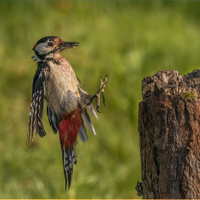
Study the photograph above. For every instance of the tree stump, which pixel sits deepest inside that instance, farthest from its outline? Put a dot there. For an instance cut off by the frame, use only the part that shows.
(169, 127)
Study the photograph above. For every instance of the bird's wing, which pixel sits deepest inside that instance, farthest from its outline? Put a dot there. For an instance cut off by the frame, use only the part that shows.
(53, 121)
(85, 99)
(36, 108)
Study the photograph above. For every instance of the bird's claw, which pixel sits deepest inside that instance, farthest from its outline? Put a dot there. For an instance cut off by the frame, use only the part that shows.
(100, 92)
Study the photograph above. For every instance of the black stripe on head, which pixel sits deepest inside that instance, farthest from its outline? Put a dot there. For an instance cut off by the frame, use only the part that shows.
(44, 39)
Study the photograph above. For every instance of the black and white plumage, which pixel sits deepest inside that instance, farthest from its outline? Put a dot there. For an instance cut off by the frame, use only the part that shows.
(36, 108)
(67, 103)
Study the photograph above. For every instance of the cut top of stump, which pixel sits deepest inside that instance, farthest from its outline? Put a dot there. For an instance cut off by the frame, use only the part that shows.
(172, 83)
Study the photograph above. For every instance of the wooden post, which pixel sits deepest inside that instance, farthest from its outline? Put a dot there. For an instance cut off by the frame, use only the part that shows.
(169, 127)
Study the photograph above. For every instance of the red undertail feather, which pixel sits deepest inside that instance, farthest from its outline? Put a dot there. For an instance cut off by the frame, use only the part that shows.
(68, 130)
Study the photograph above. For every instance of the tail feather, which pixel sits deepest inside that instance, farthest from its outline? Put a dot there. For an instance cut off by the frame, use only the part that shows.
(69, 158)
(69, 128)
(68, 131)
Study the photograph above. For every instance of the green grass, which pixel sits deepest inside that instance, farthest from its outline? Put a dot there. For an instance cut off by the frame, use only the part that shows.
(128, 41)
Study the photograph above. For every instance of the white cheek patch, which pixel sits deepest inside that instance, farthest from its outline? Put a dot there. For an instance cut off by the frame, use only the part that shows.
(42, 48)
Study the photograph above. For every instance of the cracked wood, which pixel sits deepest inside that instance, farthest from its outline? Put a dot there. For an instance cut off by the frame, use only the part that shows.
(169, 127)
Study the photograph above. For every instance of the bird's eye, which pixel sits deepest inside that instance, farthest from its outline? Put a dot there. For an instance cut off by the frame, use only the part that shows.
(50, 43)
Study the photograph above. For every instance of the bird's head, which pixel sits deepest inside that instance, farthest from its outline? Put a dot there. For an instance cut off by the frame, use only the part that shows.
(50, 45)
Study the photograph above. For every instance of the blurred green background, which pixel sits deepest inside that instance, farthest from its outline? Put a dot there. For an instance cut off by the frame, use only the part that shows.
(127, 40)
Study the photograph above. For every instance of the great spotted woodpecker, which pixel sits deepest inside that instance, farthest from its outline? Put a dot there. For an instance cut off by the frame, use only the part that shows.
(67, 103)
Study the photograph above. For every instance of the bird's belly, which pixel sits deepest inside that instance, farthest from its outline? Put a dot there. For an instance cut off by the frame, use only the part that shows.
(62, 90)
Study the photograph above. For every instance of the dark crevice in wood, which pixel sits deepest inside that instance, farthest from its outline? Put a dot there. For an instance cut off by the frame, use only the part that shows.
(169, 127)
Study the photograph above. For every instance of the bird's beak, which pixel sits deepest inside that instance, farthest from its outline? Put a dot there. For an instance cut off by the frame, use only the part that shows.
(66, 45)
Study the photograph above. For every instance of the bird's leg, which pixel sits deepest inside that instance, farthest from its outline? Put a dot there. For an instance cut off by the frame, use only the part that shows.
(97, 96)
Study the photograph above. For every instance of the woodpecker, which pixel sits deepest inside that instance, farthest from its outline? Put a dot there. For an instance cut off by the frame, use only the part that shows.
(67, 103)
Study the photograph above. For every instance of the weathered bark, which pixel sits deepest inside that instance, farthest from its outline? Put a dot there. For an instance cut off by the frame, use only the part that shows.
(169, 127)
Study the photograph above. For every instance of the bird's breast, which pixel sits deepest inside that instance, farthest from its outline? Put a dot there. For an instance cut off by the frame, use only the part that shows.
(62, 88)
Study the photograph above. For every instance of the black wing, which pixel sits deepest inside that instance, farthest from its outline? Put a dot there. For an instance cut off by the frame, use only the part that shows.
(53, 121)
(36, 108)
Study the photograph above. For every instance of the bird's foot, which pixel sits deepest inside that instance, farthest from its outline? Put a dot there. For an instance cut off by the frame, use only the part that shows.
(97, 95)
